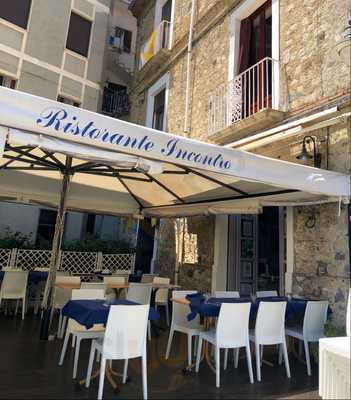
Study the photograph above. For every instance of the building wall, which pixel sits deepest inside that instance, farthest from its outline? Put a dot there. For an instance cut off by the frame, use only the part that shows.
(312, 75)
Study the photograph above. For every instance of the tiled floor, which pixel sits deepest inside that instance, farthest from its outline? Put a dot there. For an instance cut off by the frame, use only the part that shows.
(29, 369)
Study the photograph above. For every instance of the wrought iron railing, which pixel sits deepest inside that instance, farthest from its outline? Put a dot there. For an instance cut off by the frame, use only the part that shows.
(159, 39)
(77, 263)
(115, 103)
(248, 93)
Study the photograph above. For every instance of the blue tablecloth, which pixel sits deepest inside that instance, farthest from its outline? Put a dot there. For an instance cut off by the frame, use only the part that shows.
(295, 309)
(34, 277)
(90, 312)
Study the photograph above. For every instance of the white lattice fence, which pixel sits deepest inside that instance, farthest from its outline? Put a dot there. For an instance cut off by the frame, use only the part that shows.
(5, 257)
(79, 263)
(27, 260)
(118, 262)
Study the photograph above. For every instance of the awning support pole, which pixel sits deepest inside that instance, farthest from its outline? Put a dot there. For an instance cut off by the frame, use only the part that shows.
(56, 247)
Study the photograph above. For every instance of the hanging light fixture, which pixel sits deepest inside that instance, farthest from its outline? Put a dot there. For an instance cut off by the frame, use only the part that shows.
(305, 155)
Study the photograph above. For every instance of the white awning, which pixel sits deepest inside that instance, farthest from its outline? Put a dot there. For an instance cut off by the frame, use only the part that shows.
(123, 168)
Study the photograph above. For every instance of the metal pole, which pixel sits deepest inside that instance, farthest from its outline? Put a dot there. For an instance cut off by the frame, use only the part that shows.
(56, 246)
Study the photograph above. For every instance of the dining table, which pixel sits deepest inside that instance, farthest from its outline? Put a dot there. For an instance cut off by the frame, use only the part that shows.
(91, 312)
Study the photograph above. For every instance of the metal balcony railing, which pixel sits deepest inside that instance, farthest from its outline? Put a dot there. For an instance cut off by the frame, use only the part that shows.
(249, 92)
(115, 103)
(159, 39)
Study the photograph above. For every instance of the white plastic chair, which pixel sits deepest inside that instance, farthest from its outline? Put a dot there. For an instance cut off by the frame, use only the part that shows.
(269, 330)
(93, 285)
(61, 297)
(140, 293)
(180, 322)
(148, 278)
(232, 332)
(14, 287)
(161, 297)
(78, 331)
(122, 341)
(227, 294)
(266, 293)
(313, 327)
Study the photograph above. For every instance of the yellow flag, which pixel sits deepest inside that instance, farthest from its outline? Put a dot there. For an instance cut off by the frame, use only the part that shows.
(149, 48)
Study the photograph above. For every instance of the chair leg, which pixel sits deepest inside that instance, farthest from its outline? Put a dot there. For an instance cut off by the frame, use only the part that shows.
(102, 377)
(286, 358)
(307, 354)
(189, 349)
(51, 315)
(225, 359)
(98, 356)
(90, 364)
(236, 357)
(280, 357)
(23, 307)
(125, 370)
(217, 367)
(261, 353)
(149, 330)
(76, 356)
(249, 362)
(258, 362)
(63, 327)
(73, 341)
(59, 328)
(143, 367)
(198, 357)
(64, 347)
(17, 304)
(170, 338)
(167, 313)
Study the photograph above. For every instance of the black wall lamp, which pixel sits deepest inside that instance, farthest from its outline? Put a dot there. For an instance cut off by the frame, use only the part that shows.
(305, 154)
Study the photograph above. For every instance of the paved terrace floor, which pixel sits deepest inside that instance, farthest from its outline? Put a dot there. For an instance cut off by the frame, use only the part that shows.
(29, 370)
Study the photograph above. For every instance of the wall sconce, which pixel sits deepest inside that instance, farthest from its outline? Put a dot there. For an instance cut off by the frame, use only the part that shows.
(346, 39)
(305, 154)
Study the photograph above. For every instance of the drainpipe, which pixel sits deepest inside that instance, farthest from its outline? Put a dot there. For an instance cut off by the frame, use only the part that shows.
(188, 69)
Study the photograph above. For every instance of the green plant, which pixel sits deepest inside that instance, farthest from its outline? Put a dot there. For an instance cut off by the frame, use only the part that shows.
(330, 330)
(95, 244)
(11, 240)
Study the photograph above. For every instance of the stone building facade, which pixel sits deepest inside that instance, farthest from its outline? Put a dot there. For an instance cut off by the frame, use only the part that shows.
(308, 95)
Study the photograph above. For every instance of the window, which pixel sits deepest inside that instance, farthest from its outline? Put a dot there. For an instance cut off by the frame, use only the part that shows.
(16, 12)
(64, 100)
(122, 39)
(115, 100)
(46, 226)
(159, 110)
(78, 38)
(90, 227)
(7, 82)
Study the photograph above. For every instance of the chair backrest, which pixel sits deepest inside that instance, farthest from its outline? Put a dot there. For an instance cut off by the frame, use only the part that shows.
(233, 324)
(128, 339)
(125, 274)
(67, 279)
(62, 273)
(270, 322)
(88, 294)
(228, 294)
(266, 293)
(148, 278)
(315, 319)
(14, 284)
(118, 280)
(139, 292)
(348, 317)
(161, 294)
(93, 285)
(181, 311)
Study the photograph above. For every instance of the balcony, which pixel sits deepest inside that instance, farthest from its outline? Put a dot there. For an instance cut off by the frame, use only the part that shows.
(247, 103)
(115, 103)
(155, 50)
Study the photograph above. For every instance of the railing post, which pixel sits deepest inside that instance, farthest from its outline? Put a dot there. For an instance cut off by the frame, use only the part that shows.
(99, 260)
(13, 258)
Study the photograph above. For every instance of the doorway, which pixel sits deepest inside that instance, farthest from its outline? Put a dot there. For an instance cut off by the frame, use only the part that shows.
(255, 253)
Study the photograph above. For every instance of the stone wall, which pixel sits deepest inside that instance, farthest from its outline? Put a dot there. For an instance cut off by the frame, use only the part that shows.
(312, 74)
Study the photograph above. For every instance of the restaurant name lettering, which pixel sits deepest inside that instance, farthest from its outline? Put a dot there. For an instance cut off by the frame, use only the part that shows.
(59, 120)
